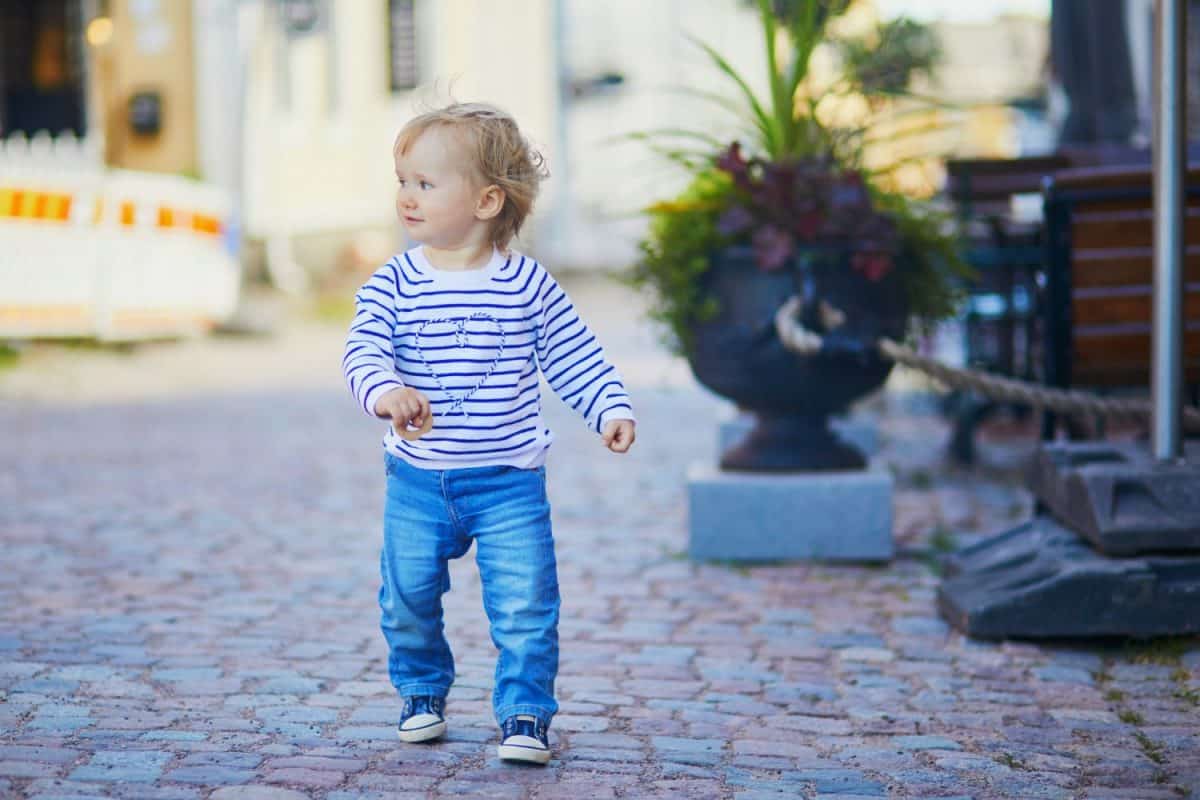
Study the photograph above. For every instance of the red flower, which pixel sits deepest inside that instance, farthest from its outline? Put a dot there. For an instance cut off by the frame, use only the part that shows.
(873, 265)
(772, 247)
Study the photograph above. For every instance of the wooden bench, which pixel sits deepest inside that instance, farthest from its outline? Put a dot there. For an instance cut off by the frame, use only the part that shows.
(981, 189)
(1098, 303)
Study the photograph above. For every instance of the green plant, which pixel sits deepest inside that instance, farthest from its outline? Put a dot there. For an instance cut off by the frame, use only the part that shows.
(1164, 650)
(1150, 748)
(798, 179)
(1130, 717)
(8, 356)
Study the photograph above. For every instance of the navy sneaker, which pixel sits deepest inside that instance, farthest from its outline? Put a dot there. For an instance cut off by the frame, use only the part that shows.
(525, 738)
(422, 718)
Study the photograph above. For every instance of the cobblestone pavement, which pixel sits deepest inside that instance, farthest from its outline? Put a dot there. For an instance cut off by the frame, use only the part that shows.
(187, 610)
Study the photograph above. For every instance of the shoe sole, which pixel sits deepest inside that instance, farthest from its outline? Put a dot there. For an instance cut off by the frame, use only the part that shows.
(533, 755)
(423, 734)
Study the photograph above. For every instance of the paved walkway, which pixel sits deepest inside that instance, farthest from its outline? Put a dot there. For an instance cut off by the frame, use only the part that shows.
(187, 610)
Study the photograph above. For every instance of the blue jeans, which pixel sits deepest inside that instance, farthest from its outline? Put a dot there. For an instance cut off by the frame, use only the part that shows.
(432, 516)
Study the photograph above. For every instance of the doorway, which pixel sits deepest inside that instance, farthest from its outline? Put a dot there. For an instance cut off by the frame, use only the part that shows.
(42, 76)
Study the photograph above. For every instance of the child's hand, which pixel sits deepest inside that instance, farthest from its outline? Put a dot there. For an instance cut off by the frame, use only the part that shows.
(619, 435)
(404, 406)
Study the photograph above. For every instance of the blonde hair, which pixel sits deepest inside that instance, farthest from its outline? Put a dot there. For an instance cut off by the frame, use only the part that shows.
(498, 155)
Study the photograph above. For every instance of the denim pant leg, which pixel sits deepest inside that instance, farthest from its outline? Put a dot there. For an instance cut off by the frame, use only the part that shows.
(508, 515)
(419, 537)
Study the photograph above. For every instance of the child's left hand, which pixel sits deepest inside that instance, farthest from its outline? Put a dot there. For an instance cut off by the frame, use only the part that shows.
(619, 435)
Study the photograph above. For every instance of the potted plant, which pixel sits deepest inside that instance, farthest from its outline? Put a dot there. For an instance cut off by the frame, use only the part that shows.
(794, 210)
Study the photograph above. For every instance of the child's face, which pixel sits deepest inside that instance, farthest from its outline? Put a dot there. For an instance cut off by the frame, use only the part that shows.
(436, 201)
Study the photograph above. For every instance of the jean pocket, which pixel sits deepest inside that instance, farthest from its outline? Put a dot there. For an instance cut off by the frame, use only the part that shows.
(392, 465)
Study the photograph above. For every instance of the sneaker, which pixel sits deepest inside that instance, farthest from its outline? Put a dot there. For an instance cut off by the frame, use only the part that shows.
(422, 718)
(525, 739)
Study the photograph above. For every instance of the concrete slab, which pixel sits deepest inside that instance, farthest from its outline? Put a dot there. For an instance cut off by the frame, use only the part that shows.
(1118, 498)
(822, 516)
(1040, 579)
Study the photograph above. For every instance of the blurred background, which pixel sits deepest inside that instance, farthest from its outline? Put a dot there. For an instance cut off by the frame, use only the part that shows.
(161, 159)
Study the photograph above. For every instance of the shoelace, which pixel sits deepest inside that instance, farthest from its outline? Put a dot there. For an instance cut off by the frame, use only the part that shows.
(534, 728)
(422, 704)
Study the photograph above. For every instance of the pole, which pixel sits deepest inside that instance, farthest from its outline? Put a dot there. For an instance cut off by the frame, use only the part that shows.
(560, 213)
(1170, 167)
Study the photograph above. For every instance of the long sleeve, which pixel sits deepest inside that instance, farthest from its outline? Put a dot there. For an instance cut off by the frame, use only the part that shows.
(369, 362)
(574, 362)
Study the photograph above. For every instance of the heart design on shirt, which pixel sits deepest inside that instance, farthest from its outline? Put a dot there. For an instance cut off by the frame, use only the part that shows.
(458, 326)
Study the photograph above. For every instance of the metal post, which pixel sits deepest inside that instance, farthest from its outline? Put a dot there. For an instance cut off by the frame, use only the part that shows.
(1170, 166)
(560, 212)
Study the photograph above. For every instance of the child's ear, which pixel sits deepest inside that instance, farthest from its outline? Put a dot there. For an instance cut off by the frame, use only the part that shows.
(491, 201)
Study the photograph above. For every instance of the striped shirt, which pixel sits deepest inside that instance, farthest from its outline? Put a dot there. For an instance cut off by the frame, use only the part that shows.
(472, 342)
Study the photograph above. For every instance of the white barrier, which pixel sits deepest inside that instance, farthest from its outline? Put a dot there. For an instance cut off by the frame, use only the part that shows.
(117, 255)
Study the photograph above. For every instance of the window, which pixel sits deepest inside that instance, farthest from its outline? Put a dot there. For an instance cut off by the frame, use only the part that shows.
(402, 45)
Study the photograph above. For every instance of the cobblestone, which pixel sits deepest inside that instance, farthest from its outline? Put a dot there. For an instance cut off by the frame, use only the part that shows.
(187, 609)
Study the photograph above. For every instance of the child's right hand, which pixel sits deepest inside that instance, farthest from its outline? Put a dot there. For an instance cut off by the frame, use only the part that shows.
(404, 406)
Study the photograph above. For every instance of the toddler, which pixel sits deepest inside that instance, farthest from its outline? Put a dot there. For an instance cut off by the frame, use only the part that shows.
(446, 342)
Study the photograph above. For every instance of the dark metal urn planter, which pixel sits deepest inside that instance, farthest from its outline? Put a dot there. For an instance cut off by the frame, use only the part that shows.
(738, 355)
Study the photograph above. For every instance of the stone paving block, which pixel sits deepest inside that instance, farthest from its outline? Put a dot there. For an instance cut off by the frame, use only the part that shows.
(799, 670)
(173, 736)
(143, 766)
(257, 793)
(363, 733)
(296, 776)
(1056, 674)
(837, 516)
(28, 769)
(490, 791)
(46, 754)
(576, 789)
(211, 775)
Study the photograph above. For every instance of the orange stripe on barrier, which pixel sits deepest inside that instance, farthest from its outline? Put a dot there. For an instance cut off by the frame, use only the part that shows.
(42, 313)
(204, 223)
(57, 206)
(25, 204)
(147, 318)
(60, 207)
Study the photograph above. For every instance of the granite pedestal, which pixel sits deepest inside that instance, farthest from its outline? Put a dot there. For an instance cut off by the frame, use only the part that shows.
(822, 516)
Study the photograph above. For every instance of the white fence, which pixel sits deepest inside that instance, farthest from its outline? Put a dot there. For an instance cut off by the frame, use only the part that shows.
(86, 251)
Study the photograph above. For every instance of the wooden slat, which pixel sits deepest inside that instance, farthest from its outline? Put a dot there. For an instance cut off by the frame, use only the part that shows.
(1123, 359)
(1112, 309)
(1123, 229)
(1124, 267)
(984, 186)
(1114, 177)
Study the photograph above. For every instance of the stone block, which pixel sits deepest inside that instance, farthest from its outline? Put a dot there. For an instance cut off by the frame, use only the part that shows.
(823, 516)
(1042, 580)
(1119, 498)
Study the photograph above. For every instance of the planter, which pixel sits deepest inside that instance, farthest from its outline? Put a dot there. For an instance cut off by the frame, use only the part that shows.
(738, 355)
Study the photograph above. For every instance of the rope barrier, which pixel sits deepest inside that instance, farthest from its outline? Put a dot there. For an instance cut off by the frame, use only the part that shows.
(802, 341)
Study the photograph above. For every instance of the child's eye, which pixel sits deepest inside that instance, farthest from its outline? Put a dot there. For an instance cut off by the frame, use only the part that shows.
(426, 185)
(400, 181)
